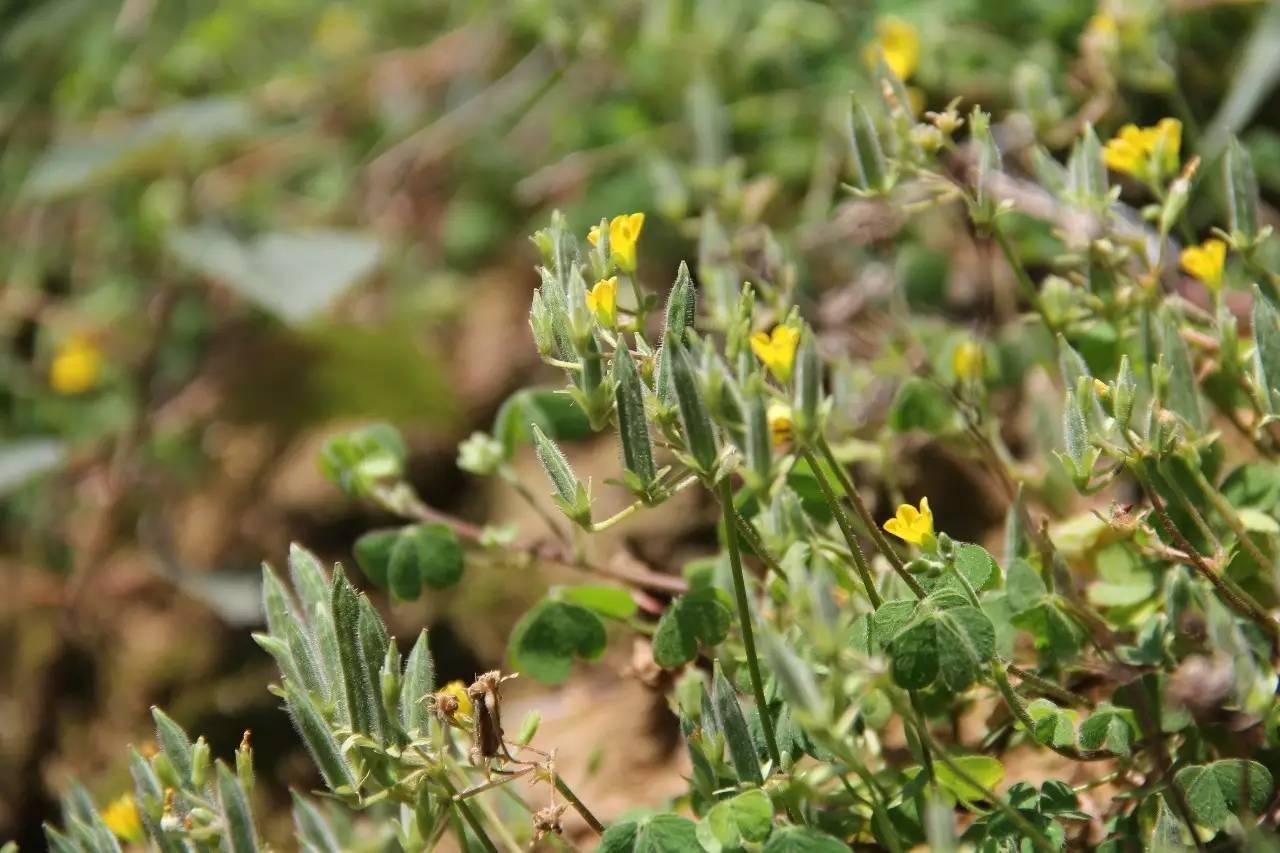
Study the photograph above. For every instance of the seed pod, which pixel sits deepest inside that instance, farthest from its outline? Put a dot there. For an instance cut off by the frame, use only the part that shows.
(680, 313)
(699, 433)
(555, 464)
(244, 763)
(200, 762)
(633, 428)
(1087, 174)
(1126, 389)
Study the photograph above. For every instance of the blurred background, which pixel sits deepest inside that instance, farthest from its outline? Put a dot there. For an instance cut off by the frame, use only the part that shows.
(229, 230)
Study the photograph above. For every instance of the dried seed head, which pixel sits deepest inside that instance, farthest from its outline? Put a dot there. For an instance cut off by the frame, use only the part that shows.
(547, 821)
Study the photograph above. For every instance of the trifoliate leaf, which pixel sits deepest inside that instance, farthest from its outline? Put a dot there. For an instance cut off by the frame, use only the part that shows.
(698, 619)
(1214, 792)
(660, 833)
(747, 817)
(549, 637)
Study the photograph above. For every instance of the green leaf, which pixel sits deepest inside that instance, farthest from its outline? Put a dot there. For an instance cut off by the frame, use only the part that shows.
(920, 404)
(1183, 397)
(357, 460)
(314, 833)
(1053, 725)
(983, 769)
(1108, 729)
(361, 699)
(1266, 351)
(914, 656)
(733, 724)
(1169, 834)
(419, 681)
(373, 555)
(310, 581)
(546, 640)
(747, 818)
(175, 744)
(698, 619)
(556, 414)
(633, 427)
(1214, 792)
(889, 620)
(608, 601)
(976, 564)
(802, 839)
(293, 275)
(403, 560)
(1242, 192)
(966, 642)
(864, 146)
(1123, 580)
(698, 431)
(660, 833)
(318, 737)
(1024, 586)
(240, 836)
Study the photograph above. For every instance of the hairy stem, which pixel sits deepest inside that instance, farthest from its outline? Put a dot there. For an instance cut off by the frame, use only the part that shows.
(725, 491)
(850, 538)
(579, 806)
(859, 506)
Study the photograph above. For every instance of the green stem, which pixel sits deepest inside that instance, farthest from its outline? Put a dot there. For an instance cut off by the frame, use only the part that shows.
(1034, 835)
(579, 806)
(1047, 687)
(1000, 673)
(1025, 284)
(464, 808)
(744, 619)
(1229, 515)
(850, 538)
(1234, 597)
(859, 506)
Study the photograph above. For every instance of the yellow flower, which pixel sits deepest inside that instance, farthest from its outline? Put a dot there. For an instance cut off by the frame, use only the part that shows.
(624, 233)
(967, 361)
(777, 352)
(779, 422)
(899, 43)
(603, 301)
(1206, 261)
(1147, 153)
(453, 701)
(911, 524)
(121, 817)
(1102, 24)
(76, 366)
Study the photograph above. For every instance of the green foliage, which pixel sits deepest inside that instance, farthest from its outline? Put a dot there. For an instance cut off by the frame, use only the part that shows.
(407, 559)
(547, 639)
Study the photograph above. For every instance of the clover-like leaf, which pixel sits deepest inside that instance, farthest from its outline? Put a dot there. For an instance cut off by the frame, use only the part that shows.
(747, 817)
(802, 839)
(405, 559)
(1054, 726)
(659, 833)
(976, 564)
(609, 601)
(944, 635)
(1216, 791)
(698, 619)
(546, 640)
(1108, 729)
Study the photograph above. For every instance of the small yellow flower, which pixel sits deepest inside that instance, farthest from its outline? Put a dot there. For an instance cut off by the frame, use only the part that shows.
(1147, 153)
(121, 817)
(1206, 261)
(899, 43)
(603, 301)
(624, 233)
(911, 524)
(1102, 24)
(777, 351)
(452, 700)
(779, 423)
(967, 361)
(76, 366)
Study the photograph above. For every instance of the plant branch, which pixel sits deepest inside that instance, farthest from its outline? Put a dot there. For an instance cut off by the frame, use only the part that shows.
(850, 538)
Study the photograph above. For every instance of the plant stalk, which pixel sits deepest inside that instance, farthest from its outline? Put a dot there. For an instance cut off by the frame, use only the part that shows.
(850, 538)
(744, 618)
